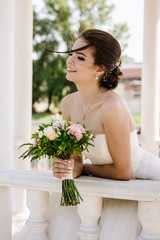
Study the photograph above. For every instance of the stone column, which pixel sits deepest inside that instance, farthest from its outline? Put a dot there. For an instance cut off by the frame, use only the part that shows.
(151, 76)
(6, 108)
(149, 217)
(89, 211)
(37, 203)
(22, 89)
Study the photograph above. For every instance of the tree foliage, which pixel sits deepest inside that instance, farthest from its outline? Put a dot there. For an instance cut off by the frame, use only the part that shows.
(58, 28)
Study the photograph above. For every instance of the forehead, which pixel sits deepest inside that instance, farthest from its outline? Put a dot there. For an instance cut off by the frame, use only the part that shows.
(79, 43)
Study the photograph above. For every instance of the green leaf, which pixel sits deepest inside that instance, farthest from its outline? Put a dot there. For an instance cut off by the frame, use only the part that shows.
(35, 135)
(25, 144)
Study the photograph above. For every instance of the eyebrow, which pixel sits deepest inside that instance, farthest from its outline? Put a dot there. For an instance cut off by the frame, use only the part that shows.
(78, 52)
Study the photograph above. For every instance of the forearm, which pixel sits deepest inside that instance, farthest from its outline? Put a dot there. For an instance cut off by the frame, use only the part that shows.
(78, 167)
(107, 171)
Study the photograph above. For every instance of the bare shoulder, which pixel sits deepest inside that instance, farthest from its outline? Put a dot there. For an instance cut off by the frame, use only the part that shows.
(67, 104)
(115, 113)
(114, 107)
(69, 98)
(113, 102)
(115, 116)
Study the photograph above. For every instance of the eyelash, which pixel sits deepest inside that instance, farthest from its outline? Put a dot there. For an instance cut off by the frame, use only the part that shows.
(80, 58)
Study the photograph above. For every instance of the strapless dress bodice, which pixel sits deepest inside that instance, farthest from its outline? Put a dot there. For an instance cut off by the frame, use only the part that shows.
(99, 154)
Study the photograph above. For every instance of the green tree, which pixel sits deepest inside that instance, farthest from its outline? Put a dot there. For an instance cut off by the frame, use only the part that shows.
(61, 23)
(48, 69)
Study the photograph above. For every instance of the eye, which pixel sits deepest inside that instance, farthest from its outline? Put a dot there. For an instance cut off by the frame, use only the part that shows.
(81, 58)
(70, 54)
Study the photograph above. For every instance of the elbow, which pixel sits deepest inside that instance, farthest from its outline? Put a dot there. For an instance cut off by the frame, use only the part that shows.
(125, 176)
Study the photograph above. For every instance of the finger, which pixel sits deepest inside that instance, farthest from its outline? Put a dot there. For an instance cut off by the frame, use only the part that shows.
(66, 162)
(60, 175)
(61, 161)
(71, 163)
(62, 170)
(58, 172)
(58, 165)
(61, 166)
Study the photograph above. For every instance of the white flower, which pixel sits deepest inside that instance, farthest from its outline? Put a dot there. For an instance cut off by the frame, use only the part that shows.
(56, 124)
(50, 133)
(40, 135)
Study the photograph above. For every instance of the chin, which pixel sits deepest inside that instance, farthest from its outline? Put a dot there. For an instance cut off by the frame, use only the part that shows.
(70, 78)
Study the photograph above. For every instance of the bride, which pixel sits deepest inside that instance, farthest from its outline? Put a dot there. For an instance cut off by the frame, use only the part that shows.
(94, 66)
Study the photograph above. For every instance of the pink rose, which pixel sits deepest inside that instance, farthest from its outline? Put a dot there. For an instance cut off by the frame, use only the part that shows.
(35, 141)
(75, 130)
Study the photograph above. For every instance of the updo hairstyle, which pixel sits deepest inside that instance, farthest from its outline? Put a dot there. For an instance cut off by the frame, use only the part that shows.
(107, 52)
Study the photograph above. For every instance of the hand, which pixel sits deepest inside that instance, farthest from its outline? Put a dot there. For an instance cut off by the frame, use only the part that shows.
(62, 168)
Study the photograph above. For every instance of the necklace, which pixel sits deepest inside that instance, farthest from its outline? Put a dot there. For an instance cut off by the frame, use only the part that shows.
(85, 114)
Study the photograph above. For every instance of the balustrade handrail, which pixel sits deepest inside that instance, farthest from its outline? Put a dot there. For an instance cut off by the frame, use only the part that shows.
(134, 189)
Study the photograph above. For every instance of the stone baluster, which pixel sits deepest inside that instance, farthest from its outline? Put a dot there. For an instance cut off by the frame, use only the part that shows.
(149, 217)
(89, 211)
(37, 201)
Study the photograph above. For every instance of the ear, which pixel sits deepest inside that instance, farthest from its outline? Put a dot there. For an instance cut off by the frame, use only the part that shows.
(101, 69)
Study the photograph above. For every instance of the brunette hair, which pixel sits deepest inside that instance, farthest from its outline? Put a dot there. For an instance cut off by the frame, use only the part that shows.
(107, 52)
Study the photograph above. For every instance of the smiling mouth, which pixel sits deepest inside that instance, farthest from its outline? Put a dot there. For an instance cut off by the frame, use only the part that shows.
(70, 70)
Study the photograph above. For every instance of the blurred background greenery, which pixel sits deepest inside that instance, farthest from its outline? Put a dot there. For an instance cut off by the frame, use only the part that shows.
(56, 26)
(47, 117)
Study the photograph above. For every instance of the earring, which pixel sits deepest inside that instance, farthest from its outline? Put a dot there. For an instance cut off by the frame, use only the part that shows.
(96, 77)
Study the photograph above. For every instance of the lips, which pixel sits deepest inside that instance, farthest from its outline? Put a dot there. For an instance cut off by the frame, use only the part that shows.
(70, 70)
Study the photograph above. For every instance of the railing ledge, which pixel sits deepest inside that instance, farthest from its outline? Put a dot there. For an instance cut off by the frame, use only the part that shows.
(38, 185)
(134, 189)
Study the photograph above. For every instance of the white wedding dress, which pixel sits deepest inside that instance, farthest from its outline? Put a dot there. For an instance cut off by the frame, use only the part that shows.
(119, 220)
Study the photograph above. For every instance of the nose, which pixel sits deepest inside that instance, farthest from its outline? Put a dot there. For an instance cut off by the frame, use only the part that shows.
(70, 59)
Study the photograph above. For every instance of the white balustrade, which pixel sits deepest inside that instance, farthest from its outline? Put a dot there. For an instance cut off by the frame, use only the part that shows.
(149, 217)
(93, 190)
(37, 202)
(89, 211)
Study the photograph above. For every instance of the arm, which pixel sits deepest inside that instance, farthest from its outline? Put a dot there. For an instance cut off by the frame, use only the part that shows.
(78, 165)
(61, 168)
(115, 120)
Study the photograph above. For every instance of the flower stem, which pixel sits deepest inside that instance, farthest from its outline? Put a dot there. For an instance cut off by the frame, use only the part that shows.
(70, 195)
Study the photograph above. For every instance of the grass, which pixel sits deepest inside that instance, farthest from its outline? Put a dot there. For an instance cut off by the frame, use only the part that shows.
(41, 117)
(137, 119)
(46, 117)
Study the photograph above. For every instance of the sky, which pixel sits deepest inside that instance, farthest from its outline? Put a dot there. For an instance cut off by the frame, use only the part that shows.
(130, 12)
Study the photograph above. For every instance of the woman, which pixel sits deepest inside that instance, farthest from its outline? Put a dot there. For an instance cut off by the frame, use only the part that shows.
(94, 66)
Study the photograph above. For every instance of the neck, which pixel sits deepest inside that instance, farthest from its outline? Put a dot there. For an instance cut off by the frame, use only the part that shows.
(88, 94)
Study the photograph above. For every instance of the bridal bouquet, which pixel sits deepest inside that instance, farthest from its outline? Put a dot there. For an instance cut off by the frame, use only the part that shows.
(60, 139)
